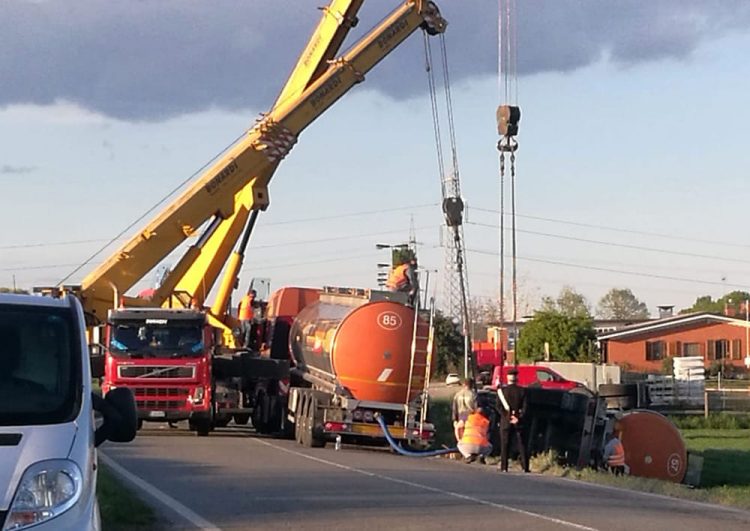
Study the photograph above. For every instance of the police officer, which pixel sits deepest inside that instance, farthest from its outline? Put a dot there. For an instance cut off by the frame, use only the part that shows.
(513, 407)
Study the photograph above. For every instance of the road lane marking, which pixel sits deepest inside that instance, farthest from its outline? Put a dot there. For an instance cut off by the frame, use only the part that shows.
(164, 498)
(428, 488)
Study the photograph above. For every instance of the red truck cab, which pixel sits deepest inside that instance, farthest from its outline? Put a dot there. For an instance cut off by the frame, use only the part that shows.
(532, 375)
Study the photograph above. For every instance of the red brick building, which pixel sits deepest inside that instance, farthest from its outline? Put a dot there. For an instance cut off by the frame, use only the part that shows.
(644, 346)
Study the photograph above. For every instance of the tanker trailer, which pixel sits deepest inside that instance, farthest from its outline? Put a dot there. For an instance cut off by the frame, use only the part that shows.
(358, 354)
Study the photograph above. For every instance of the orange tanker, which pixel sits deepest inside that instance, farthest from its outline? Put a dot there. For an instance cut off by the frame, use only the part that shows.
(354, 356)
(364, 345)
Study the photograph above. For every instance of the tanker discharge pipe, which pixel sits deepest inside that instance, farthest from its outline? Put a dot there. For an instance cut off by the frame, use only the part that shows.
(409, 453)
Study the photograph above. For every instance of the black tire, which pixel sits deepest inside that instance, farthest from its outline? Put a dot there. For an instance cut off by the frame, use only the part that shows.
(619, 396)
(260, 415)
(201, 424)
(240, 419)
(306, 428)
(314, 431)
(222, 421)
(139, 425)
(299, 418)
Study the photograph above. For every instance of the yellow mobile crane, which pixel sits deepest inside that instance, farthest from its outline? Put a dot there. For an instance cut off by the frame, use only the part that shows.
(166, 348)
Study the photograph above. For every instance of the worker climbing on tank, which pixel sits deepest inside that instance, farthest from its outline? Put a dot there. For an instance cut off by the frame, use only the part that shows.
(475, 438)
(250, 316)
(403, 278)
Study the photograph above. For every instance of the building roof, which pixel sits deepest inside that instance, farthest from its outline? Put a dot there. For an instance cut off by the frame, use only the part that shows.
(688, 320)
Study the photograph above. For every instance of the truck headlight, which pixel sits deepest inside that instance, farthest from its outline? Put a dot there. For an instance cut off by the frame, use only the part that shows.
(198, 394)
(47, 489)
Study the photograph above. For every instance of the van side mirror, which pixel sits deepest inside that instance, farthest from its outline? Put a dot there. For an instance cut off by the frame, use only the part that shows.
(97, 366)
(120, 418)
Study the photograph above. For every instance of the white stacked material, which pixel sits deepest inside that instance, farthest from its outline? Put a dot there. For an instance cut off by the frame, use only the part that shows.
(690, 379)
(661, 389)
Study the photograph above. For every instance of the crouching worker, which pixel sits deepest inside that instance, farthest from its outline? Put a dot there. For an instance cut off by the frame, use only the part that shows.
(614, 455)
(474, 441)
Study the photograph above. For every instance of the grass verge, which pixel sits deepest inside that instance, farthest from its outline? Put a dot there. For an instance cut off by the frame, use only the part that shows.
(726, 453)
(121, 509)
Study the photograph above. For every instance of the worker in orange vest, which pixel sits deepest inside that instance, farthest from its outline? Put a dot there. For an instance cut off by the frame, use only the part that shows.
(403, 278)
(249, 314)
(475, 441)
(614, 454)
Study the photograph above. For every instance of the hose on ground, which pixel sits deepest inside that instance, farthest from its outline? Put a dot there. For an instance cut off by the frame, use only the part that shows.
(409, 453)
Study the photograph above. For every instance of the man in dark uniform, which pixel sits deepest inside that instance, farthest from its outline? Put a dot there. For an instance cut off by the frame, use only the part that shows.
(512, 402)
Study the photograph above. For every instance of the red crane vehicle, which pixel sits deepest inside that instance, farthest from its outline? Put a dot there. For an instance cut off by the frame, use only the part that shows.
(175, 352)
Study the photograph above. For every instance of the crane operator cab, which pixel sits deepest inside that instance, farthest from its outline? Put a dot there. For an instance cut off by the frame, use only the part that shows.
(48, 431)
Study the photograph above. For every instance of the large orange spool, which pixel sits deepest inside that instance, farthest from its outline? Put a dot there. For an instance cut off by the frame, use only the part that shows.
(653, 446)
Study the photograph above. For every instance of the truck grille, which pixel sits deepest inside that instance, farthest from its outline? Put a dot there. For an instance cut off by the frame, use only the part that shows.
(155, 371)
(160, 392)
(160, 405)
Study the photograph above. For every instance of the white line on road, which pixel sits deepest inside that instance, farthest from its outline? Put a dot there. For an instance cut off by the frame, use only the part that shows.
(428, 488)
(164, 498)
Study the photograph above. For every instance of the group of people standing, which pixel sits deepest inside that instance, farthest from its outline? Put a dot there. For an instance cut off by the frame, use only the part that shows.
(473, 425)
(472, 422)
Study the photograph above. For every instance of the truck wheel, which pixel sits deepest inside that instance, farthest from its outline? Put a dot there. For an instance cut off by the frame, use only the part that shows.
(201, 424)
(313, 436)
(240, 419)
(619, 396)
(222, 421)
(299, 418)
(260, 416)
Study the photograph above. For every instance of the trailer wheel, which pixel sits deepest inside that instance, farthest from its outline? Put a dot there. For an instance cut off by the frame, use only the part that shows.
(260, 416)
(241, 418)
(312, 436)
(619, 396)
(222, 421)
(299, 418)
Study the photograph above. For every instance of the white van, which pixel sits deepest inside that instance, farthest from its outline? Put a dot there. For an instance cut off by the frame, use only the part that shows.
(47, 429)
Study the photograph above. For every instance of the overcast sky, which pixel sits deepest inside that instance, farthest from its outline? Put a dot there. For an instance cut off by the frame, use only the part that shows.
(634, 119)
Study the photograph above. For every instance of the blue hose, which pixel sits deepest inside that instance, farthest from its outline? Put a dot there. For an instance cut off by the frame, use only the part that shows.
(409, 453)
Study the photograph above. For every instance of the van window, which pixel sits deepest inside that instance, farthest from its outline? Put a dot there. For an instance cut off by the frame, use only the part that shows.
(40, 380)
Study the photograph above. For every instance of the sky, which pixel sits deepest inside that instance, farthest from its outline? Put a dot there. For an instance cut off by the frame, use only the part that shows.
(631, 170)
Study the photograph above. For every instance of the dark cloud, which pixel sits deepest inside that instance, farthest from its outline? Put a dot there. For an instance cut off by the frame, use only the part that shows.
(16, 170)
(142, 60)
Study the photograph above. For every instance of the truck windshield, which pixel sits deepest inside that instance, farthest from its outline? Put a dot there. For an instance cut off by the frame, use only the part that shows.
(40, 365)
(171, 339)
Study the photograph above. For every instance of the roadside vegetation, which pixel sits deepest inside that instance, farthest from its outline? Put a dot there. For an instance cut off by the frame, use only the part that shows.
(721, 440)
(121, 509)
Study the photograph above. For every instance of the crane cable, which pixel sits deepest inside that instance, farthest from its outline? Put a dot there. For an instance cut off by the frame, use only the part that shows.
(508, 117)
(450, 186)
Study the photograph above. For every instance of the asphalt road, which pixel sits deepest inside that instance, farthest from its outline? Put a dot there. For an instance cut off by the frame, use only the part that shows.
(236, 480)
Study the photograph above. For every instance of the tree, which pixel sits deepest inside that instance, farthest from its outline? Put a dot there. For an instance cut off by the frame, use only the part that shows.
(569, 338)
(13, 290)
(621, 304)
(732, 304)
(569, 303)
(449, 345)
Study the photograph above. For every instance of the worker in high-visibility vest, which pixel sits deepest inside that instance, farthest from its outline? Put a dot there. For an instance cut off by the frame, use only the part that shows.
(403, 278)
(249, 314)
(614, 454)
(474, 440)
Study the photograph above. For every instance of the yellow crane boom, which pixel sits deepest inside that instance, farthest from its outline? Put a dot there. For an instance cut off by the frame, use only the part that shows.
(241, 176)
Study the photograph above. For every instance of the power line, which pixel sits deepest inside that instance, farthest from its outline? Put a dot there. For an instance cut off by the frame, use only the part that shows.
(285, 222)
(352, 214)
(619, 271)
(621, 245)
(617, 229)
